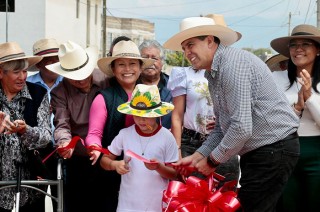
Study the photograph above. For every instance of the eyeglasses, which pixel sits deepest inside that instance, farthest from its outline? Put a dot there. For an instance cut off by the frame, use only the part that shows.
(304, 45)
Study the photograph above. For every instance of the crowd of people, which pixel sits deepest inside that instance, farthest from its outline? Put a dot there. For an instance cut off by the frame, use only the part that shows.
(230, 112)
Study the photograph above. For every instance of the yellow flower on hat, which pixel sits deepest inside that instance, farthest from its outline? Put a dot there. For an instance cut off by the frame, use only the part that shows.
(123, 107)
(142, 101)
(138, 112)
(163, 110)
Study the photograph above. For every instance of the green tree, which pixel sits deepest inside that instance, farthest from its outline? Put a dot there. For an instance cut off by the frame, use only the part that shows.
(261, 52)
(177, 59)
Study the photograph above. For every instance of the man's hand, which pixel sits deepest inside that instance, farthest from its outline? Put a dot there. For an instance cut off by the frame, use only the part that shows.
(204, 168)
(184, 165)
(65, 153)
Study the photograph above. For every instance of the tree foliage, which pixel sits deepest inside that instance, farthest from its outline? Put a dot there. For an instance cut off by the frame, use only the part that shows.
(177, 59)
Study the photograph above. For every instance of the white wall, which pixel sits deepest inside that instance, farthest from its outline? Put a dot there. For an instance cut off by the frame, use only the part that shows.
(36, 19)
(25, 25)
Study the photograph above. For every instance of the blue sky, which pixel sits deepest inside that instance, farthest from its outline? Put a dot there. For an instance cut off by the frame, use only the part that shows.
(259, 21)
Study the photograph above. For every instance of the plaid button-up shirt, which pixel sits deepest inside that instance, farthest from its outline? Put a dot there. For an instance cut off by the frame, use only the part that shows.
(250, 111)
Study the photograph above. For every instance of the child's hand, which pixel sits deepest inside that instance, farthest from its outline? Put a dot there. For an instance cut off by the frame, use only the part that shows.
(153, 166)
(94, 155)
(121, 166)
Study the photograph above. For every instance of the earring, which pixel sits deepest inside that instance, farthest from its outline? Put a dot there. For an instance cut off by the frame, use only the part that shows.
(318, 54)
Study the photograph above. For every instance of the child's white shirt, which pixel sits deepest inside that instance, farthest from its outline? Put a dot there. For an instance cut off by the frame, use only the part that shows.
(141, 189)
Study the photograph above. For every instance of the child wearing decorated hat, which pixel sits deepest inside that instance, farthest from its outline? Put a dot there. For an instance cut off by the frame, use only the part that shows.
(142, 183)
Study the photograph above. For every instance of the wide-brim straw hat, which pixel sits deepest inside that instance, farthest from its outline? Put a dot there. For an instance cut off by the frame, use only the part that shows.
(200, 26)
(123, 49)
(75, 62)
(274, 62)
(146, 102)
(303, 31)
(11, 51)
(46, 47)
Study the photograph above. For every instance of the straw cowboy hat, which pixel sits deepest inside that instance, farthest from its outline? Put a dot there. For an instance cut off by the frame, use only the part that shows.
(123, 49)
(199, 26)
(146, 102)
(75, 62)
(303, 31)
(219, 20)
(274, 62)
(47, 47)
(11, 51)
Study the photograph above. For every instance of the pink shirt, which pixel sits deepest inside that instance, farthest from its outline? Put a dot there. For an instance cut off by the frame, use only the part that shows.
(97, 119)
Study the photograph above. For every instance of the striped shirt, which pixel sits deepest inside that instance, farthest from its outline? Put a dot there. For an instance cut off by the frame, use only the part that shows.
(250, 111)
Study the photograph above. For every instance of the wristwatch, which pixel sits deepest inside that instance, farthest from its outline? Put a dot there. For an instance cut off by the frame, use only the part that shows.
(212, 163)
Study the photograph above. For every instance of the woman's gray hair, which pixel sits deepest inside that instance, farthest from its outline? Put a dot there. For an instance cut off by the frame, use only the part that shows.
(155, 44)
(14, 65)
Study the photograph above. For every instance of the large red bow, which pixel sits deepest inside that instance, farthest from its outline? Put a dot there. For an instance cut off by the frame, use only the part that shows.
(196, 195)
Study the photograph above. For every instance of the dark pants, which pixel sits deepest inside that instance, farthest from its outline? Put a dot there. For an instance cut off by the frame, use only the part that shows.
(265, 172)
(302, 190)
(230, 169)
(89, 188)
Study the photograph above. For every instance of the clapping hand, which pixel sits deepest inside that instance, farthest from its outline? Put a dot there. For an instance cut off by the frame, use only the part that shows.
(8, 127)
(306, 84)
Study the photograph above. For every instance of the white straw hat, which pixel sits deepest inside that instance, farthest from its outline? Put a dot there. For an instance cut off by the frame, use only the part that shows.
(199, 26)
(47, 47)
(75, 62)
(123, 49)
(11, 51)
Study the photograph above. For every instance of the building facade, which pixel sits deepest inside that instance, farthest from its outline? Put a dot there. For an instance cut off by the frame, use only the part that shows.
(136, 29)
(76, 20)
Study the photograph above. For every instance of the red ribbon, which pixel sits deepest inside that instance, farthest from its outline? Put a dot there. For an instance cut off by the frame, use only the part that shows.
(72, 145)
(195, 196)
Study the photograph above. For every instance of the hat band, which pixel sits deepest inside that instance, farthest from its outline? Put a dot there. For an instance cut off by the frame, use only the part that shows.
(76, 68)
(146, 108)
(47, 51)
(12, 56)
(302, 33)
(127, 55)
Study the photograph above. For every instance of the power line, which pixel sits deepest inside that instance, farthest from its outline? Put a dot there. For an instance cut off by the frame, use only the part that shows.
(164, 5)
(307, 12)
(255, 14)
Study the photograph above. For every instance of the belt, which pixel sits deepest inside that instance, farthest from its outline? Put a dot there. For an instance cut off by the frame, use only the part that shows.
(291, 136)
(194, 134)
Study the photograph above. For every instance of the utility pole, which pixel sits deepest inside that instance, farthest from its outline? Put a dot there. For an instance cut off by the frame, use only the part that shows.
(318, 14)
(104, 28)
(289, 23)
(7, 20)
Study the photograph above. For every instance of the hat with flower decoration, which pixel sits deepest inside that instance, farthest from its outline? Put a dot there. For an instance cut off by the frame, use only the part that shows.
(146, 102)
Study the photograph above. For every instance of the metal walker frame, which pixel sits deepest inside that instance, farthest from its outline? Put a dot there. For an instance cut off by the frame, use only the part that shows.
(29, 183)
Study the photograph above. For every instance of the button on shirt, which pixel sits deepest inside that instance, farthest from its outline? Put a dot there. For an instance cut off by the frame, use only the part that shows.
(250, 111)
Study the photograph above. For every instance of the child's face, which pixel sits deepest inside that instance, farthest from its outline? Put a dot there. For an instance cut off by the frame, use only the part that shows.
(146, 125)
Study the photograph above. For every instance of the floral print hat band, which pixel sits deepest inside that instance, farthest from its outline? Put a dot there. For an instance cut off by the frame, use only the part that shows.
(146, 102)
